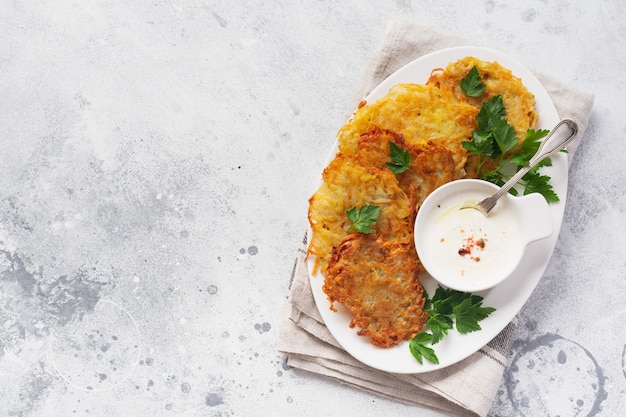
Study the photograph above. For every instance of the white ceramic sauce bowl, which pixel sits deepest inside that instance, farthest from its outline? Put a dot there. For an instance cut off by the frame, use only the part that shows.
(463, 249)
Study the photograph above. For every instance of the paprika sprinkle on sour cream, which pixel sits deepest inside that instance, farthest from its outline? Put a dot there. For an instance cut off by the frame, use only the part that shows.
(471, 245)
(465, 243)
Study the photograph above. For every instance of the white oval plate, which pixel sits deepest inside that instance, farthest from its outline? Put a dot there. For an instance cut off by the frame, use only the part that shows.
(508, 297)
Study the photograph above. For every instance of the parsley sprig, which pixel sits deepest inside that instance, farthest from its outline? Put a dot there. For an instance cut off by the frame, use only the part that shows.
(363, 218)
(472, 84)
(446, 310)
(400, 159)
(495, 140)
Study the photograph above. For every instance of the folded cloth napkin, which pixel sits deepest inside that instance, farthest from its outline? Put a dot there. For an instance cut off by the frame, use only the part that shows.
(465, 388)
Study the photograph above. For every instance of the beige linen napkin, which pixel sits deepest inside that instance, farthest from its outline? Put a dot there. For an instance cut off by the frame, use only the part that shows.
(466, 388)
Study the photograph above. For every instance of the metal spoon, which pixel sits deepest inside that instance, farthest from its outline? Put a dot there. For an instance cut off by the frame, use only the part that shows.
(548, 147)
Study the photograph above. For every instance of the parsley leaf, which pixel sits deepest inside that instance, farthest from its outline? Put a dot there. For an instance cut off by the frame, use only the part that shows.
(420, 350)
(400, 159)
(504, 135)
(472, 84)
(537, 183)
(481, 144)
(495, 139)
(529, 147)
(533, 140)
(469, 313)
(447, 309)
(364, 218)
(439, 325)
(490, 112)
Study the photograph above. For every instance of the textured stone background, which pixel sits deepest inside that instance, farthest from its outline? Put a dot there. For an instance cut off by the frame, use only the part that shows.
(156, 162)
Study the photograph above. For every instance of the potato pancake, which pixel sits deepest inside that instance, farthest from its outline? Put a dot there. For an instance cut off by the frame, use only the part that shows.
(348, 184)
(424, 115)
(378, 282)
(518, 101)
(430, 167)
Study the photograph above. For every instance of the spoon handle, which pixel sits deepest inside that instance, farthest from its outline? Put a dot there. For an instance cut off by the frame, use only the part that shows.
(548, 147)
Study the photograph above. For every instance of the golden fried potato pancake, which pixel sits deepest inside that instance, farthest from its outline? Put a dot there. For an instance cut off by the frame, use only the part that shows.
(378, 282)
(347, 184)
(430, 168)
(431, 165)
(518, 101)
(373, 147)
(424, 115)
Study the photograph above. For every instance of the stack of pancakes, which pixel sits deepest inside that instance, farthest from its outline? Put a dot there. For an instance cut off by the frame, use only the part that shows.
(376, 276)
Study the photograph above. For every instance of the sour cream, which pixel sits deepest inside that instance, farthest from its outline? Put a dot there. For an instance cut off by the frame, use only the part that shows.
(467, 251)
